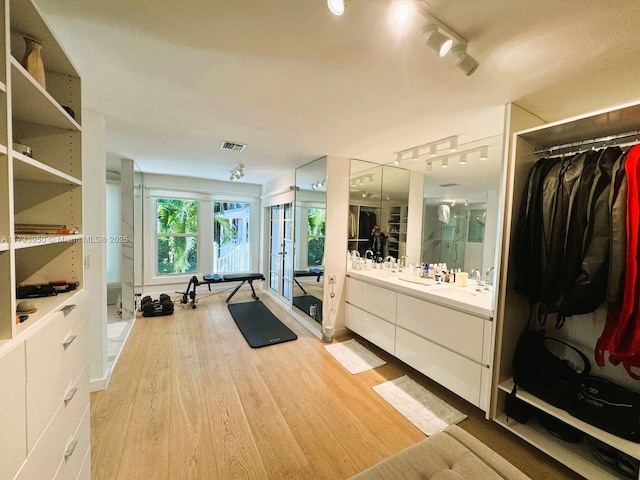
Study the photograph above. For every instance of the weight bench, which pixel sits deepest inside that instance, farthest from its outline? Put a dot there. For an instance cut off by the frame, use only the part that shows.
(312, 272)
(189, 295)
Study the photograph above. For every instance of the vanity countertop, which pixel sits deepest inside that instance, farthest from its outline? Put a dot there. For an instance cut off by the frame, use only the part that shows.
(465, 299)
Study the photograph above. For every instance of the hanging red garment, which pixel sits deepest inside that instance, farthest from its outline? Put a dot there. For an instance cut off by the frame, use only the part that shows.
(621, 335)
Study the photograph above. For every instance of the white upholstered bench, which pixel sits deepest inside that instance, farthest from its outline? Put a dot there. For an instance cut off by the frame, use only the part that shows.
(452, 454)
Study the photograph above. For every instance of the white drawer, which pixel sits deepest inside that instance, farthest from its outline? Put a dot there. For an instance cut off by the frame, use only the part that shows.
(76, 354)
(458, 331)
(45, 382)
(76, 451)
(458, 374)
(48, 454)
(376, 330)
(77, 310)
(371, 298)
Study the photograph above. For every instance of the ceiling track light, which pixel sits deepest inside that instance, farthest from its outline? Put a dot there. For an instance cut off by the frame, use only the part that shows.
(429, 167)
(463, 159)
(484, 153)
(436, 41)
(465, 62)
(445, 162)
(415, 156)
(453, 144)
(402, 12)
(337, 7)
(237, 173)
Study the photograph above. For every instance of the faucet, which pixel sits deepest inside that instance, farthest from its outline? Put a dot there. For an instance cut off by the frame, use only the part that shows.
(404, 261)
(367, 252)
(475, 273)
(487, 279)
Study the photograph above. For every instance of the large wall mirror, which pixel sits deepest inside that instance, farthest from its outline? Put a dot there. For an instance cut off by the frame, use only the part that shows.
(378, 207)
(310, 223)
(460, 211)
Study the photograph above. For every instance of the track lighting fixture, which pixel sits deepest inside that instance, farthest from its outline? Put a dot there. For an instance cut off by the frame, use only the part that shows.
(445, 162)
(484, 153)
(463, 159)
(465, 62)
(237, 173)
(318, 184)
(414, 155)
(337, 7)
(433, 150)
(429, 166)
(436, 41)
(402, 12)
(453, 144)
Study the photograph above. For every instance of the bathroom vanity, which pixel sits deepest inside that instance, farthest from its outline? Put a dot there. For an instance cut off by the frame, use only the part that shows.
(442, 330)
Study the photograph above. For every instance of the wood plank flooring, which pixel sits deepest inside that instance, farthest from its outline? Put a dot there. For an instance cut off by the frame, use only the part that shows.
(189, 399)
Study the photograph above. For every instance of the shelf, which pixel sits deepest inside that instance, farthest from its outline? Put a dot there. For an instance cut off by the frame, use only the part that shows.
(3, 150)
(625, 446)
(30, 241)
(574, 455)
(26, 168)
(4, 247)
(623, 119)
(26, 20)
(33, 104)
(3, 87)
(45, 306)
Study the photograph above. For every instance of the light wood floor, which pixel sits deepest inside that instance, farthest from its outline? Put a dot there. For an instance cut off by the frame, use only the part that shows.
(189, 399)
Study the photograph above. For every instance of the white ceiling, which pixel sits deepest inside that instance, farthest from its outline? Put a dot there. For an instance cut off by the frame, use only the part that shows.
(175, 79)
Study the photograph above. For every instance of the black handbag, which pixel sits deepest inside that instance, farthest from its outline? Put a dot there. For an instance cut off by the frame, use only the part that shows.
(608, 406)
(537, 370)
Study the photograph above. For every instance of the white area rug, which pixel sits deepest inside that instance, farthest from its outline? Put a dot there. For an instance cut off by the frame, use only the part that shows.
(421, 407)
(354, 357)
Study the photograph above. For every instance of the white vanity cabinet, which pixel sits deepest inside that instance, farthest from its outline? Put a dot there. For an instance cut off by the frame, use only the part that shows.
(371, 313)
(449, 344)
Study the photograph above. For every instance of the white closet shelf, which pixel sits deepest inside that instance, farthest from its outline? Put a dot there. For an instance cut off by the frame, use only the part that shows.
(46, 306)
(33, 241)
(4, 247)
(575, 455)
(33, 104)
(625, 446)
(3, 149)
(26, 168)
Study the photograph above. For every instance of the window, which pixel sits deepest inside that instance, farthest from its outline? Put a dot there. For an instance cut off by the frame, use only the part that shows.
(317, 220)
(231, 237)
(177, 236)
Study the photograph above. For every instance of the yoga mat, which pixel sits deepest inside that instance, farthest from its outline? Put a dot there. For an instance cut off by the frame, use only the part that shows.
(304, 302)
(259, 326)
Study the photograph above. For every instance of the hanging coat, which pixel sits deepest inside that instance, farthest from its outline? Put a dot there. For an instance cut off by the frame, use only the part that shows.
(621, 335)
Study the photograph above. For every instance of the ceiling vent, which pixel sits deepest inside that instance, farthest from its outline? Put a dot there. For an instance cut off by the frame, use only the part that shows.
(444, 185)
(232, 146)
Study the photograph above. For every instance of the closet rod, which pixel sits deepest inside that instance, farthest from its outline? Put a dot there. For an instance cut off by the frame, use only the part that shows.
(621, 139)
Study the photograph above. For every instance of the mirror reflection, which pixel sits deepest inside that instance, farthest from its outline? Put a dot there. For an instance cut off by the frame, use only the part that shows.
(378, 206)
(310, 222)
(460, 211)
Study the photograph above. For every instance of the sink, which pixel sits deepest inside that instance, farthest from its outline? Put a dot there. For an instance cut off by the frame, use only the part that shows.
(418, 280)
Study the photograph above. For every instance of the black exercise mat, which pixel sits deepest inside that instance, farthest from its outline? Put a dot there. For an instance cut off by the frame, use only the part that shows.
(304, 302)
(259, 326)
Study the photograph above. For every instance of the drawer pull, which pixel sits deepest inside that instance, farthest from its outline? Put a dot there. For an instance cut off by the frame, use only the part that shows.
(70, 449)
(68, 341)
(67, 309)
(70, 394)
